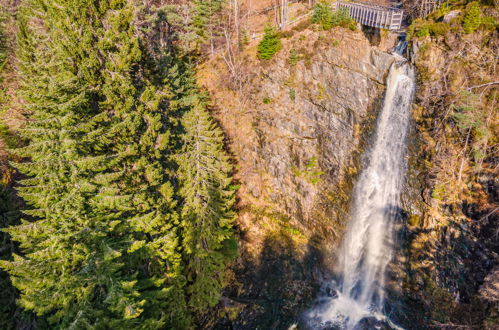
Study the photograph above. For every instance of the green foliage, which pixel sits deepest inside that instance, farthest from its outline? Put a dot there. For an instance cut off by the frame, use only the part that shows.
(441, 11)
(292, 94)
(245, 39)
(205, 22)
(438, 29)
(270, 44)
(105, 243)
(11, 315)
(207, 198)
(412, 29)
(471, 20)
(323, 15)
(266, 100)
(9, 215)
(489, 23)
(472, 119)
(421, 28)
(294, 57)
(423, 31)
(100, 201)
(341, 17)
(466, 113)
(438, 192)
(311, 172)
(472, 17)
(327, 18)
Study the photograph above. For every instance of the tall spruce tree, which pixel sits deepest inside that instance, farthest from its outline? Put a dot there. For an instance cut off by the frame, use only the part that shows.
(207, 200)
(100, 244)
(204, 20)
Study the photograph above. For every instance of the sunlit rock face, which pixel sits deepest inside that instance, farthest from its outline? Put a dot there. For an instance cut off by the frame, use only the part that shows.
(298, 131)
(307, 121)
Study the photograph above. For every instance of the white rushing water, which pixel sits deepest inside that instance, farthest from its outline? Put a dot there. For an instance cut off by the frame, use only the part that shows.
(367, 246)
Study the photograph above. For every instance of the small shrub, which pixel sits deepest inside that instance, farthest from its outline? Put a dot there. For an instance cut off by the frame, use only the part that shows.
(326, 18)
(311, 173)
(306, 57)
(341, 17)
(472, 18)
(270, 44)
(438, 29)
(440, 12)
(423, 31)
(335, 42)
(438, 192)
(245, 39)
(266, 100)
(321, 92)
(418, 28)
(294, 57)
(489, 23)
(323, 15)
(292, 94)
(352, 25)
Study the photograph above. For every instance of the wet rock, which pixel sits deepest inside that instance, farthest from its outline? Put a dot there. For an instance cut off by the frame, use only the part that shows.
(369, 323)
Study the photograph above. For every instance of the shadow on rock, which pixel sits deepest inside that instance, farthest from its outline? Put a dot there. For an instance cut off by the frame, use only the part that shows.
(271, 292)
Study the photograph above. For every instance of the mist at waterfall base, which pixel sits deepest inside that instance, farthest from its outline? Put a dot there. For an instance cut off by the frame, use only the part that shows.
(367, 246)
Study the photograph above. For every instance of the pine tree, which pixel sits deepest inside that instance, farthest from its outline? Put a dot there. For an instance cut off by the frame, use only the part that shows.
(472, 18)
(270, 44)
(204, 19)
(100, 244)
(207, 200)
(323, 15)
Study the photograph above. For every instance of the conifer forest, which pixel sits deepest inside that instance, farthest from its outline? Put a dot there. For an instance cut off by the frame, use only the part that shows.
(249, 164)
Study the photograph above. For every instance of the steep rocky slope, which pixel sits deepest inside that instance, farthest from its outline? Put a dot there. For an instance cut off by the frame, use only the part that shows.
(452, 242)
(297, 127)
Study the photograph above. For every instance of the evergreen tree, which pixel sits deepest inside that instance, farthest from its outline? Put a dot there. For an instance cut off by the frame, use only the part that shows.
(100, 244)
(270, 44)
(323, 15)
(9, 215)
(9, 204)
(204, 19)
(472, 18)
(207, 199)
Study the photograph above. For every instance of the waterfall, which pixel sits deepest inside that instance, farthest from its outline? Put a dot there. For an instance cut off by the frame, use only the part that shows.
(368, 242)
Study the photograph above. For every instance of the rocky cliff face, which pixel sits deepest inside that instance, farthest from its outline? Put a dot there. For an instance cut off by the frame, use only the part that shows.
(296, 128)
(452, 242)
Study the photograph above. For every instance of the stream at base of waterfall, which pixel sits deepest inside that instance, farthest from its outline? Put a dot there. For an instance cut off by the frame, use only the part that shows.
(367, 247)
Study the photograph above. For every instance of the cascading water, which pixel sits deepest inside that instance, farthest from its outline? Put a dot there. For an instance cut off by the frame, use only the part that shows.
(367, 246)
